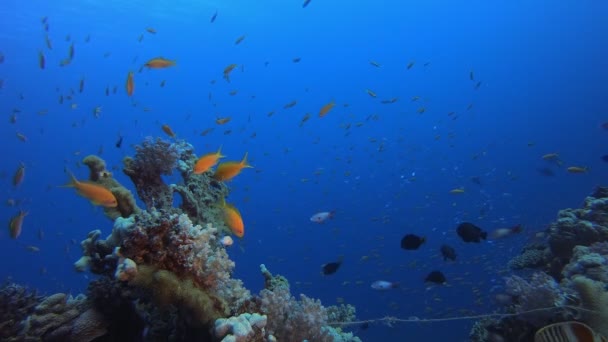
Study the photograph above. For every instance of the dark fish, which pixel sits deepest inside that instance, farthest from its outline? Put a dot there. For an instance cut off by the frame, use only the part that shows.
(306, 2)
(476, 180)
(546, 172)
(331, 268)
(213, 17)
(605, 158)
(119, 142)
(1, 58)
(435, 277)
(297, 59)
(411, 242)
(469, 232)
(364, 326)
(448, 253)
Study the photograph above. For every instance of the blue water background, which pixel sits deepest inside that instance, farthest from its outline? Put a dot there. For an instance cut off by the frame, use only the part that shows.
(543, 90)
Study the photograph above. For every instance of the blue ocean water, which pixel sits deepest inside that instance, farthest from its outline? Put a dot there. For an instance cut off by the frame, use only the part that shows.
(385, 168)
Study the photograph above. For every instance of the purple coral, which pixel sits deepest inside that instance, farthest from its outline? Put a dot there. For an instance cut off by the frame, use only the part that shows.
(153, 158)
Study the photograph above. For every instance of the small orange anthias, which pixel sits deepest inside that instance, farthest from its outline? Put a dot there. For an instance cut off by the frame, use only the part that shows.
(228, 170)
(95, 193)
(207, 161)
(159, 63)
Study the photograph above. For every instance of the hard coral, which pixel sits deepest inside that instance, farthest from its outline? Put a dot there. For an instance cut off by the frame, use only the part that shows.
(16, 303)
(532, 256)
(62, 318)
(582, 226)
(541, 291)
(243, 328)
(592, 262)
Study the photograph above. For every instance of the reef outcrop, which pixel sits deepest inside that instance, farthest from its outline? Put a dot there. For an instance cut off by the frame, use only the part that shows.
(164, 273)
(570, 283)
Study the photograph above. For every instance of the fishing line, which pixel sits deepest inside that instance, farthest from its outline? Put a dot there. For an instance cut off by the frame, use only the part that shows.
(390, 320)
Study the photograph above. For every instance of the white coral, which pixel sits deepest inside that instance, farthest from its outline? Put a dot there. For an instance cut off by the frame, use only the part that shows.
(240, 328)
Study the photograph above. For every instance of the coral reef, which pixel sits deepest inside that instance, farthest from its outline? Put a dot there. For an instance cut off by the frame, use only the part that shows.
(16, 303)
(534, 255)
(580, 227)
(164, 274)
(592, 262)
(541, 291)
(577, 257)
(63, 318)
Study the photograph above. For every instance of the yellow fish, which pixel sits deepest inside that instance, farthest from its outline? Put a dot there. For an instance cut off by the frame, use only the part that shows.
(457, 191)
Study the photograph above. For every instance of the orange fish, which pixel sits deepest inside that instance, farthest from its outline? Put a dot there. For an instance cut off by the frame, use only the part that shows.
(19, 175)
(97, 194)
(16, 224)
(168, 131)
(207, 161)
(130, 84)
(228, 170)
(325, 109)
(233, 219)
(228, 70)
(221, 121)
(159, 63)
